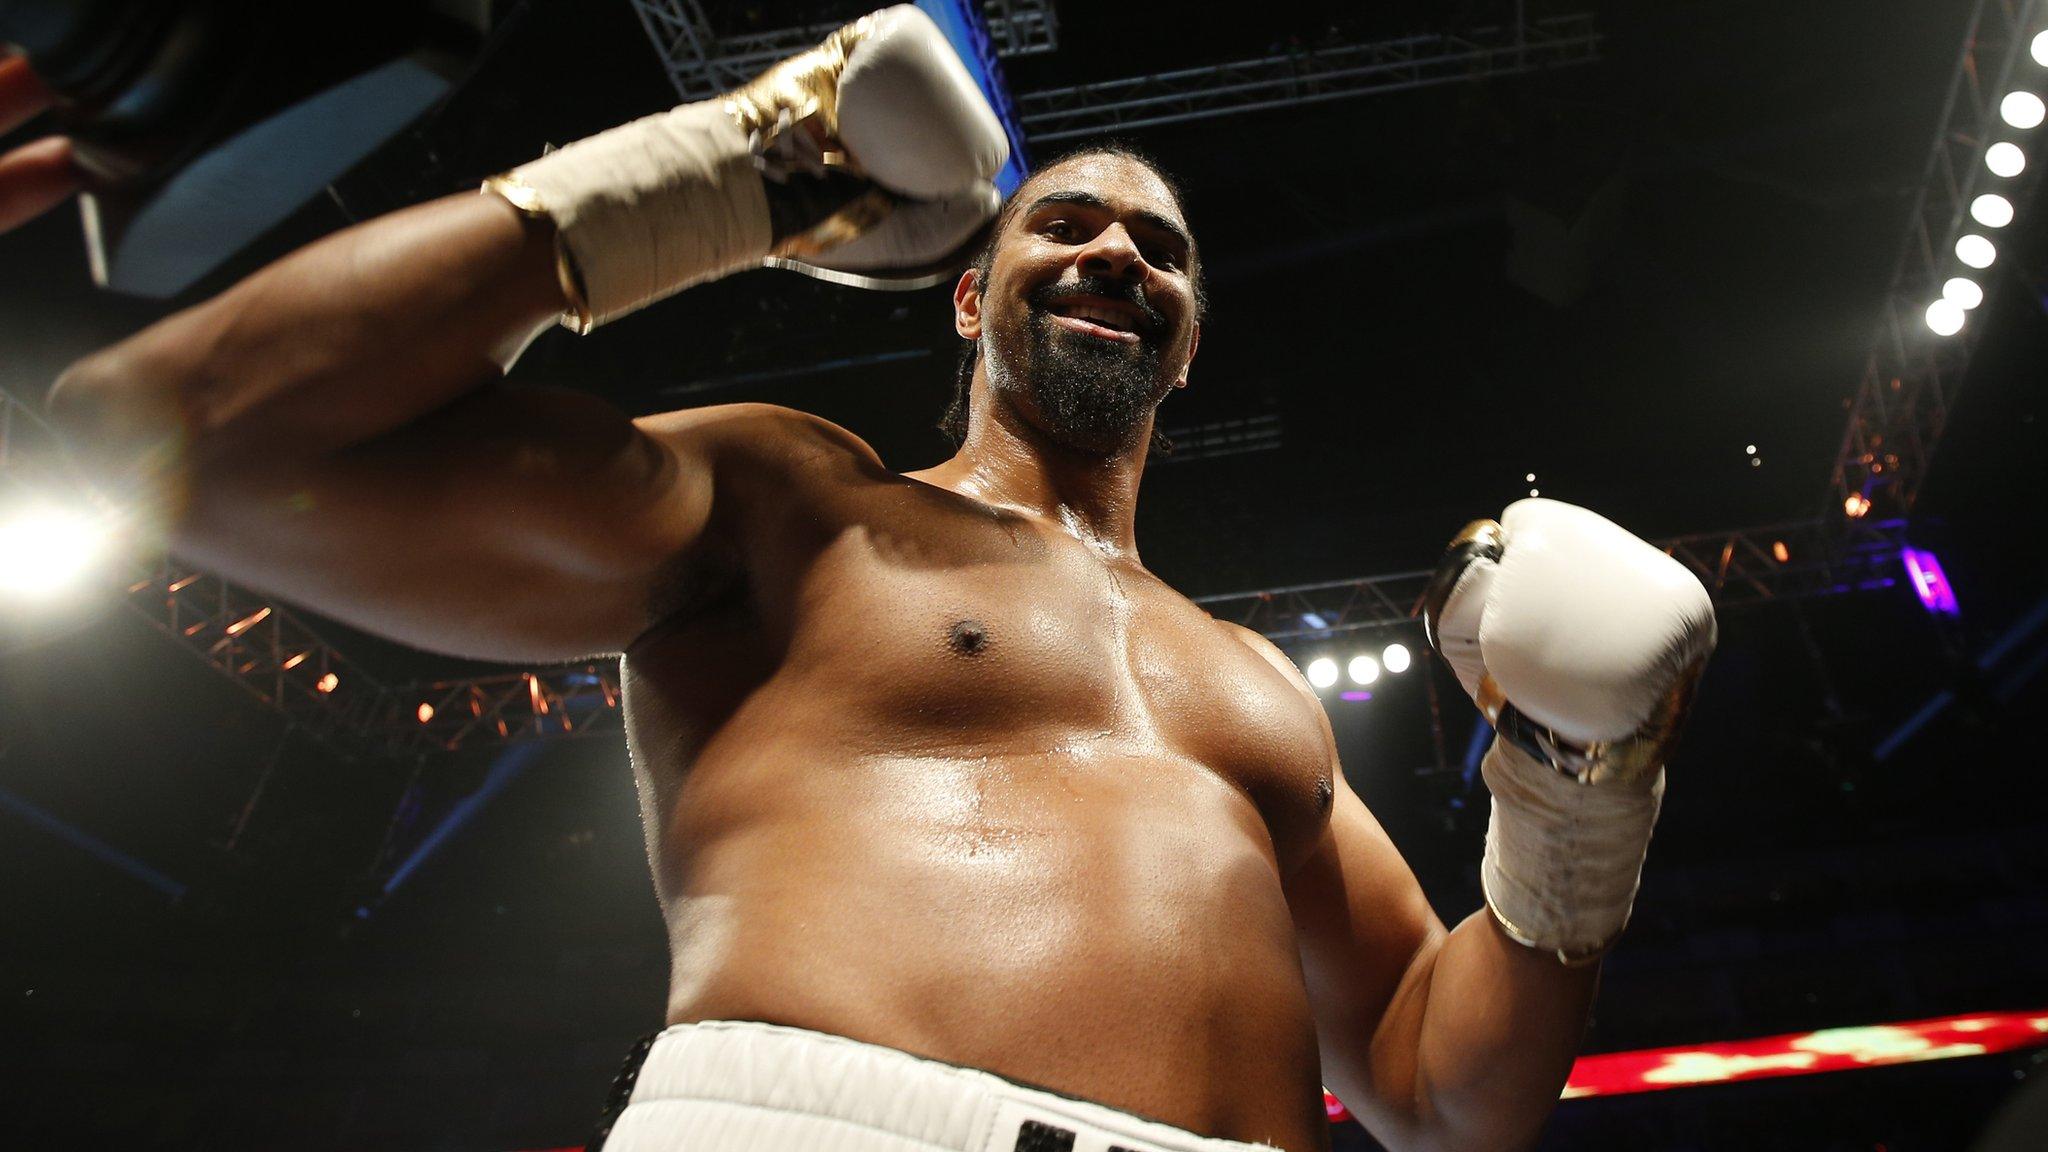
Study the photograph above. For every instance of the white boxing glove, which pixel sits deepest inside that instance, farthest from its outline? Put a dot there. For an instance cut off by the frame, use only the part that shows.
(1582, 645)
(867, 160)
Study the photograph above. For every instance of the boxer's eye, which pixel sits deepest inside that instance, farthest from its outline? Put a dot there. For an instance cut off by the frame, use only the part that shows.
(1058, 230)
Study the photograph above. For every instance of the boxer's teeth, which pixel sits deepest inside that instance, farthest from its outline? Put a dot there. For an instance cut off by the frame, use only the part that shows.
(1102, 316)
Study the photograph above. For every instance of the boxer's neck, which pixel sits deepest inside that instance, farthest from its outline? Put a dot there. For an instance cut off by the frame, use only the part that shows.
(1007, 462)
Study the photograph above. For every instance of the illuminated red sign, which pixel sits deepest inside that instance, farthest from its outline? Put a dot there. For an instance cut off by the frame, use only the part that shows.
(1797, 1054)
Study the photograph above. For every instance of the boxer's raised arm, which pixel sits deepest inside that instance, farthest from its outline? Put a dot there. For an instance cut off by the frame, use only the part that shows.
(1438, 1042)
(333, 431)
(350, 337)
(518, 523)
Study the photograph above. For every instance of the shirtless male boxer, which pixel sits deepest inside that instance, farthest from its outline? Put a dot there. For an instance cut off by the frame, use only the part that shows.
(969, 832)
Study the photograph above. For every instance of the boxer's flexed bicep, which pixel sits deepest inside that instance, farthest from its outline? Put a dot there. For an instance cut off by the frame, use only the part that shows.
(518, 523)
(1362, 924)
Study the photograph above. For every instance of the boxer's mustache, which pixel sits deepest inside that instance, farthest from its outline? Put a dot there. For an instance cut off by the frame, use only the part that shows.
(1047, 295)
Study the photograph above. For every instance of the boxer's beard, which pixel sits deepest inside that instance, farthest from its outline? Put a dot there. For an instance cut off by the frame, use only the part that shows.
(1092, 394)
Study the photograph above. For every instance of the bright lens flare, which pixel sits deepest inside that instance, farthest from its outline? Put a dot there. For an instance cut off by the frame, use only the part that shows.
(2040, 48)
(1322, 672)
(2005, 159)
(1395, 658)
(1991, 210)
(1945, 317)
(1364, 669)
(2023, 110)
(1963, 291)
(46, 550)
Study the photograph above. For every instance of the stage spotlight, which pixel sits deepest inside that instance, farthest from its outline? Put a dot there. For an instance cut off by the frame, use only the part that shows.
(1964, 292)
(1395, 658)
(425, 713)
(1976, 251)
(328, 682)
(44, 550)
(1929, 582)
(1856, 506)
(2005, 159)
(1991, 210)
(1780, 553)
(1322, 672)
(2023, 110)
(1364, 669)
(1945, 317)
(2041, 49)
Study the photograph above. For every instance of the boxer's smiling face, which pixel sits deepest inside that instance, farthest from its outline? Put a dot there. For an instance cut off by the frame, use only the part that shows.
(1087, 318)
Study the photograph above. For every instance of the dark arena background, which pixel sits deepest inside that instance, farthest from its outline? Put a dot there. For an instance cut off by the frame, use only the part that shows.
(267, 882)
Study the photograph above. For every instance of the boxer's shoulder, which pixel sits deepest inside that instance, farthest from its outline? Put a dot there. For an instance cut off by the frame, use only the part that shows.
(762, 438)
(1272, 655)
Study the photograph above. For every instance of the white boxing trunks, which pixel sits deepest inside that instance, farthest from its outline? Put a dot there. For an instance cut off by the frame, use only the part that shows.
(743, 1086)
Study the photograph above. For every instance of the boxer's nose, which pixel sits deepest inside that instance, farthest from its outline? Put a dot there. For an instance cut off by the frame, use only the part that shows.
(1113, 253)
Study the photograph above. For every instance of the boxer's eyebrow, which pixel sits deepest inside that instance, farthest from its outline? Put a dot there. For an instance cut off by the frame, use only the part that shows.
(1091, 200)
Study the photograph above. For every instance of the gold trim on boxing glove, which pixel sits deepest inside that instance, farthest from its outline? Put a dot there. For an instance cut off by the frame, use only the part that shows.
(528, 202)
(1632, 760)
(1479, 540)
(804, 86)
(801, 94)
(850, 220)
(1580, 959)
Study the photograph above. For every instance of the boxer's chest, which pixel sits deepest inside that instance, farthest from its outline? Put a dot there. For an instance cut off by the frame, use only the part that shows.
(991, 635)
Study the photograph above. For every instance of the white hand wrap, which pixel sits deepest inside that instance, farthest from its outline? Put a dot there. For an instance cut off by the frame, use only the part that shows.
(1563, 859)
(650, 208)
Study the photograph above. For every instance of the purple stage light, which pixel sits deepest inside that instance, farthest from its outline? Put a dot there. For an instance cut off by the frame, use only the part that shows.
(1929, 582)
(1355, 696)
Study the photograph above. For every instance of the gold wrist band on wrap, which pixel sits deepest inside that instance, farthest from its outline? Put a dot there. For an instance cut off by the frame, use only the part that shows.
(526, 199)
(1582, 958)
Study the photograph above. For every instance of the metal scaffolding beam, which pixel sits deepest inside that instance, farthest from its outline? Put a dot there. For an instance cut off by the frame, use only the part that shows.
(1309, 77)
(546, 703)
(1739, 568)
(701, 63)
(1911, 377)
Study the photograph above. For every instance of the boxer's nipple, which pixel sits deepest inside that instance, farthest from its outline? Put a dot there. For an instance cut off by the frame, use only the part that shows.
(967, 638)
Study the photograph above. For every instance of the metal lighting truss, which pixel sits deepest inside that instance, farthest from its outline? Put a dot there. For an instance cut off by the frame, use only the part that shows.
(1912, 375)
(1309, 77)
(1739, 568)
(701, 62)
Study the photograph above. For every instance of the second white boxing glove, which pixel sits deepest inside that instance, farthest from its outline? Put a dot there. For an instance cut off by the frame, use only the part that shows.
(1582, 645)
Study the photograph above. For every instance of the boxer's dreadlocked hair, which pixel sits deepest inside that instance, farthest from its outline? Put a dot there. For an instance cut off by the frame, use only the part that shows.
(954, 423)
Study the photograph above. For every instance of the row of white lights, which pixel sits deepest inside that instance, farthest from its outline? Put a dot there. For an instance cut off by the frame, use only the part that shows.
(1324, 673)
(2024, 111)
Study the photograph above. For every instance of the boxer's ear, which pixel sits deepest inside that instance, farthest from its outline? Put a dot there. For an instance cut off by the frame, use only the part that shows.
(967, 305)
(1194, 342)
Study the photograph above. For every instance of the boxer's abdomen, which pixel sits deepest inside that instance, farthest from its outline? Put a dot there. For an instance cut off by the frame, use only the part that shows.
(946, 779)
(1095, 923)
